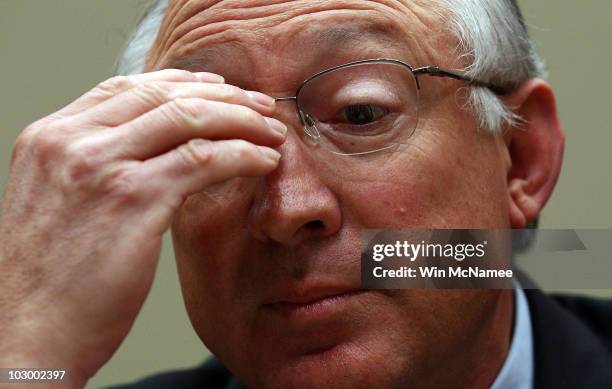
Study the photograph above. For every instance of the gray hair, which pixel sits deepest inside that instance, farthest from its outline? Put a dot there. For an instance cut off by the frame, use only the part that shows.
(134, 56)
(492, 39)
(496, 45)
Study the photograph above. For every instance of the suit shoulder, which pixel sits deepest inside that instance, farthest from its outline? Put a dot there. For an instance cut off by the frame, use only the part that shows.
(594, 313)
(571, 345)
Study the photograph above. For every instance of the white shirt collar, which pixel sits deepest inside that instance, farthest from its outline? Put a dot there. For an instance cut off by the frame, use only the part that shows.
(517, 371)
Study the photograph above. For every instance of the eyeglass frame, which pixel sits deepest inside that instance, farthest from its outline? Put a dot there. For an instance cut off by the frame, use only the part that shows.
(433, 71)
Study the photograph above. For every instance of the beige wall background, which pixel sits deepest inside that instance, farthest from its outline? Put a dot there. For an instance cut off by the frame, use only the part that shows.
(53, 51)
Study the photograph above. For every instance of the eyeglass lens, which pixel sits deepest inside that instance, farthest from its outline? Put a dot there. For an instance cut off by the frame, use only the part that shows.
(360, 108)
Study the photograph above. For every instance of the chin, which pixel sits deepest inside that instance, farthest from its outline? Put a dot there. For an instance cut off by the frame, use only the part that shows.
(346, 365)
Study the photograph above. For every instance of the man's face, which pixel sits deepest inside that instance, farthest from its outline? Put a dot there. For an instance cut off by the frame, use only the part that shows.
(258, 257)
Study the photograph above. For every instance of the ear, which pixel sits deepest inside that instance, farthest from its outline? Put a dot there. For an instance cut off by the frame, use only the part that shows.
(535, 147)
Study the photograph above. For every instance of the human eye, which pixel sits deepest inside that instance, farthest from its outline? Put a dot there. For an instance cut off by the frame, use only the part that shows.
(361, 114)
(360, 117)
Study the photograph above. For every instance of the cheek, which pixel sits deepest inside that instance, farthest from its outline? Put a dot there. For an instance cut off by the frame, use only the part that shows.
(428, 314)
(459, 190)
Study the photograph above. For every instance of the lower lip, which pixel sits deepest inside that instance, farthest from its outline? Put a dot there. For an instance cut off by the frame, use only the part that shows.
(319, 309)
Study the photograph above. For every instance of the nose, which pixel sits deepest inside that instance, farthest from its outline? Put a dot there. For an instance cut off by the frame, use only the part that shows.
(294, 203)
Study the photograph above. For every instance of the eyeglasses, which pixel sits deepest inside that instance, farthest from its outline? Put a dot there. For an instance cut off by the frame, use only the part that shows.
(365, 106)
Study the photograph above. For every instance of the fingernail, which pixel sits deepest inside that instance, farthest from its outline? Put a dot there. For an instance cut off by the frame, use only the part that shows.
(277, 126)
(260, 98)
(209, 77)
(269, 153)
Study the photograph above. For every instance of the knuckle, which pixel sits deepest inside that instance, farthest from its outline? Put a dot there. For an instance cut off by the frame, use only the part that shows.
(122, 184)
(152, 92)
(49, 143)
(185, 111)
(231, 93)
(80, 164)
(114, 85)
(244, 151)
(196, 152)
(247, 115)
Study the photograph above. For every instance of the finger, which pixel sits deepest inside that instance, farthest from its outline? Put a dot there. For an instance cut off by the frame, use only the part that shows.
(175, 123)
(149, 95)
(113, 86)
(199, 163)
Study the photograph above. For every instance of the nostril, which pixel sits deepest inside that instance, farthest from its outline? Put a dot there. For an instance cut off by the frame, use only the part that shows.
(315, 225)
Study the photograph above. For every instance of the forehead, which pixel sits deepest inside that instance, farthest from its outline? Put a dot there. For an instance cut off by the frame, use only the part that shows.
(206, 34)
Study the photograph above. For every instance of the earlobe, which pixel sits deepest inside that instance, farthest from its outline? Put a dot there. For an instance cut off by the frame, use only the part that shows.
(535, 146)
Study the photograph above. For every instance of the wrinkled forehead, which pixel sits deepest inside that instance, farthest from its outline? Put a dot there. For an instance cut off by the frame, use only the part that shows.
(207, 31)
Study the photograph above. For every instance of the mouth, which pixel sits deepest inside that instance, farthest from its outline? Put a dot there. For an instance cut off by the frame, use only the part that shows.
(317, 304)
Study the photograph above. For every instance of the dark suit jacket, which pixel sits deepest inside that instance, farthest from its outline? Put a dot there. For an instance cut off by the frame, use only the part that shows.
(572, 339)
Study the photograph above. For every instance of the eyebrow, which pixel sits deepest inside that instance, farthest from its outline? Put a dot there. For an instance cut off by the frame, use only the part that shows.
(203, 57)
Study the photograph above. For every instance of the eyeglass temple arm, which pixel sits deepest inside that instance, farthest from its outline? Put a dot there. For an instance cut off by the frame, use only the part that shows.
(289, 98)
(437, 72)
